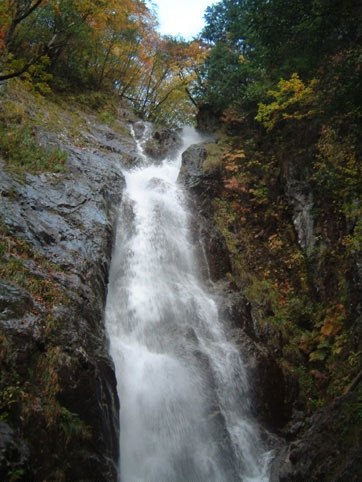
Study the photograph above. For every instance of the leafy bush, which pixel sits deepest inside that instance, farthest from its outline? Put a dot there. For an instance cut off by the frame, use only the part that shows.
(292, 100)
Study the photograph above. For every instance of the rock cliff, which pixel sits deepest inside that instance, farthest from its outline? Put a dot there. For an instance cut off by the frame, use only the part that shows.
(270, 399)
(59, 405)
(312, 444)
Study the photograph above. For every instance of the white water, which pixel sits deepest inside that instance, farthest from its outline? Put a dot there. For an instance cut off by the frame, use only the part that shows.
(182, 386)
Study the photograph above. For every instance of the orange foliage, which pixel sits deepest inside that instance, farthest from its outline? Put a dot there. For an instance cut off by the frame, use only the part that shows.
(234, 185)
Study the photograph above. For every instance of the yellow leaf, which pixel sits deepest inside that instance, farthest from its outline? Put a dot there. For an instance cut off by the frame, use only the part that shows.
(331, 327)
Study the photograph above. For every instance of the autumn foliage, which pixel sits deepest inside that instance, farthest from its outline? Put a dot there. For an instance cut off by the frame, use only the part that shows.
(108, 46)
(289, 105)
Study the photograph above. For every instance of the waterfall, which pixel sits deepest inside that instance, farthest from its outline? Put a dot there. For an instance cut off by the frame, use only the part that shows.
(182, 386)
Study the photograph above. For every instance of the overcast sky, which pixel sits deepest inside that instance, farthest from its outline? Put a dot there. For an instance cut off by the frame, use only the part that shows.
(182, 17)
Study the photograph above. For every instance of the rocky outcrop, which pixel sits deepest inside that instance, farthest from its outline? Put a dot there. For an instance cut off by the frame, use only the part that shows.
(327, 447)
(272, 390)
(202, 188)
(58, 383)
(161, 143)
(269, 385)
(300, 197)
(193, 176)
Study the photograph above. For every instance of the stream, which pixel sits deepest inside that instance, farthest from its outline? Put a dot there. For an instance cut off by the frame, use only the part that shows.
(182, 384)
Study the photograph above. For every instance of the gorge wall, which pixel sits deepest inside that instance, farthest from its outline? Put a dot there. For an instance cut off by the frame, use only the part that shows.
(270, 238)
(59, 405)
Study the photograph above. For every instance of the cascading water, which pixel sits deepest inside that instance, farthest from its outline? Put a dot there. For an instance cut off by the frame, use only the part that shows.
(182, 385)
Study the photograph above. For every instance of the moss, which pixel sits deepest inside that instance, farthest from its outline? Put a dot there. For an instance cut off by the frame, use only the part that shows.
(16, 474)
(72, 426)
(23, 114)
(308, 392)
(32, 399)
(214, 159)
(16, 258)
(67, 118)
(96, 101)
(19, 144)
(107, 118)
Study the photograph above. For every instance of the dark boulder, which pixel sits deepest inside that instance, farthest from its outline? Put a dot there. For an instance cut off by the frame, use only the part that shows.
(235, 309)
(192, 175)
(162, 143)
(202, 184)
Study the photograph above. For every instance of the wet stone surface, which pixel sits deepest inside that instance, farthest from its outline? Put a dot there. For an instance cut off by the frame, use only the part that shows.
(67, 219)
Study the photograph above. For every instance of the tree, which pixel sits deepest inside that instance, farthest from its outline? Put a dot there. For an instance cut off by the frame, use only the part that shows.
(225, 23)
(221, 80)
(13, 13)
(168, 66)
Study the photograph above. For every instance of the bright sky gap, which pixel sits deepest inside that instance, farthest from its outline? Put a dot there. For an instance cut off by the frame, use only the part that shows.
(183, 19)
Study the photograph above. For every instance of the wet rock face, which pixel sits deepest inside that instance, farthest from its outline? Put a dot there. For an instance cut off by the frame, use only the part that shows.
(214, 259)
(202, 188)
(67, 220)
(271, 390)
(329, 447)
(270, 387)
(192, 175)
(139, 129)
(162, 143)
(202, 185)
(14, 302)
(14, 455)
(300, 196)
